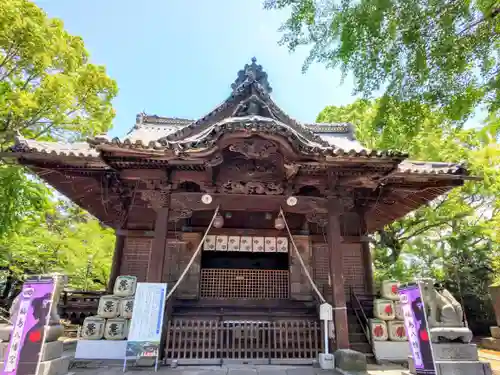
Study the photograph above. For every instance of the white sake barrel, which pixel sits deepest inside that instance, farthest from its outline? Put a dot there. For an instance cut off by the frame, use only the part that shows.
(126, 307)
(125, 286)
(397, 331)
(108, 306)
(378, 330)
(383, 309)
(398, 311)
(116, 329)
(93, 328)
(389, 290)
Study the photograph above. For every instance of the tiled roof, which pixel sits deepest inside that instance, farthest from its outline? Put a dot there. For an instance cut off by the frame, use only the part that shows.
(422, 167)
(334, 139)
(84, 150)
(76, 149)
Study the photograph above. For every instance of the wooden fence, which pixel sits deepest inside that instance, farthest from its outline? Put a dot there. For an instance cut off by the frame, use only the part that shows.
(191, 341)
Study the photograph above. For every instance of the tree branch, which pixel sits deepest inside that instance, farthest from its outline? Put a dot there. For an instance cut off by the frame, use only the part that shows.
(433, 225)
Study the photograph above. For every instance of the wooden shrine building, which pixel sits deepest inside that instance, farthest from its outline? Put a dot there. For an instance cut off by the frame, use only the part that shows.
(246, 294)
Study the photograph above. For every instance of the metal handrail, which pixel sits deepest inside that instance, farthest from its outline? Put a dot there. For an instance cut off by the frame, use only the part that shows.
(363, 319)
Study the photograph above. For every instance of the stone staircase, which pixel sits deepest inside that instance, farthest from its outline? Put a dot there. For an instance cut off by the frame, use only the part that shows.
(357, 336)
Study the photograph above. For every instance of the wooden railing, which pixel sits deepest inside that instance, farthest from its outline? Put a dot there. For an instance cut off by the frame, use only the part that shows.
(213, 341)
(76, 305)
(360, 315)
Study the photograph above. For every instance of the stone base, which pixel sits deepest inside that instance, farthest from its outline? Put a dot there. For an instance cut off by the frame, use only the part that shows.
(326, 361)
(53, 332)
(455, 351)
(463, 368)
(350, 360)
(58, 366)
(451, 333)
(495, 332)
(457, 368)
(3, 349)
(491, 343)
(52, 350)
(392, 351)
(456, 359)
(5, 331)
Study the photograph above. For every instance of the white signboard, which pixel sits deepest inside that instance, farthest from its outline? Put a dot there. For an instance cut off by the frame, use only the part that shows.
(147, 320)
(147, 317)
(325, 311)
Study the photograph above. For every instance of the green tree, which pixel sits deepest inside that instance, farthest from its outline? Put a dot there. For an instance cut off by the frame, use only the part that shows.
(454, 239)
(48, 90)
(444, 53)
(60, 240)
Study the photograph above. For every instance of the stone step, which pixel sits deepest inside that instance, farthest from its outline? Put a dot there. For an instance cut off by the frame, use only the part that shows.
(362, 347)
(463, 367)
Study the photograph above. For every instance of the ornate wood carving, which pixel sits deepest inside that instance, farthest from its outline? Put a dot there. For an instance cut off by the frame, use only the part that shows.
(214, 160)
(156, 198)
(254, 148)
(179, 214)
(244, 170)
(157, 184)
(291, 170)
(318, 218)
(252, 188)
(341, 201)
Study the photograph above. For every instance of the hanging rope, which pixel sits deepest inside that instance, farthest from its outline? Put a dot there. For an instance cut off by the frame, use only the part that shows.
(313, 285)
(194, 256)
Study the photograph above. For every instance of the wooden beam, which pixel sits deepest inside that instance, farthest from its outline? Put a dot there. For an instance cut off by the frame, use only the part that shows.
(158, 249)
(117, 262)
(366, 254)
(337, 274)
(242, 202)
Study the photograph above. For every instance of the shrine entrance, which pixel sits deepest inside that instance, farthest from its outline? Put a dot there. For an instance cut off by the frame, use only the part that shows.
(244, 275)
(246, 313)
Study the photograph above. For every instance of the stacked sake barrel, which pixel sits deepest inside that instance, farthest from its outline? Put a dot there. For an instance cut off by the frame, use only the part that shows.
(114, 313)
(389, 321)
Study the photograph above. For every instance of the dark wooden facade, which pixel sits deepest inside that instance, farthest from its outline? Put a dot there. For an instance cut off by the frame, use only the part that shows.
(250, 157)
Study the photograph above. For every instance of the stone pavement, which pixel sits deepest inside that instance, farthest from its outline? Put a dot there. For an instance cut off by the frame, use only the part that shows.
(207, 370)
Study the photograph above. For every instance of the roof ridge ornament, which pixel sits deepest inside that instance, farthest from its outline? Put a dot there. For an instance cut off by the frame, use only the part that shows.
(252, 73)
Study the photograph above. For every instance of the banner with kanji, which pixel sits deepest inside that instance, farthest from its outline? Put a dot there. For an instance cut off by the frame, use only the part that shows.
(29, 325)
(415, 319)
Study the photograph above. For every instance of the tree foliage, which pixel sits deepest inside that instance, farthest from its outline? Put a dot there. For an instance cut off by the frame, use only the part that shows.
(64, 239)
(444, 53)
(454, 239)
(49, 90)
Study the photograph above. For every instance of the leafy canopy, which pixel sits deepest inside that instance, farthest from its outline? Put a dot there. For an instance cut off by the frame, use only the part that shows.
(48, 91)
(62, 238)
(48, 88)
(440, 52)
(454, 239)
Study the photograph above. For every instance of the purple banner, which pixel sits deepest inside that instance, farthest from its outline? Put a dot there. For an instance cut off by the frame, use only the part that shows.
(29, 324)
(416, 328)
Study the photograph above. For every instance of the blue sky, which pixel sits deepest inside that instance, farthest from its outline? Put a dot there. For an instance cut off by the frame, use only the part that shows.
(179, 57)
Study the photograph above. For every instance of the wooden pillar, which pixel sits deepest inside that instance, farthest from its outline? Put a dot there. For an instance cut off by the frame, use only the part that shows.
(117, 261)
(367, 255)
(157, 254)
(337, 274)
